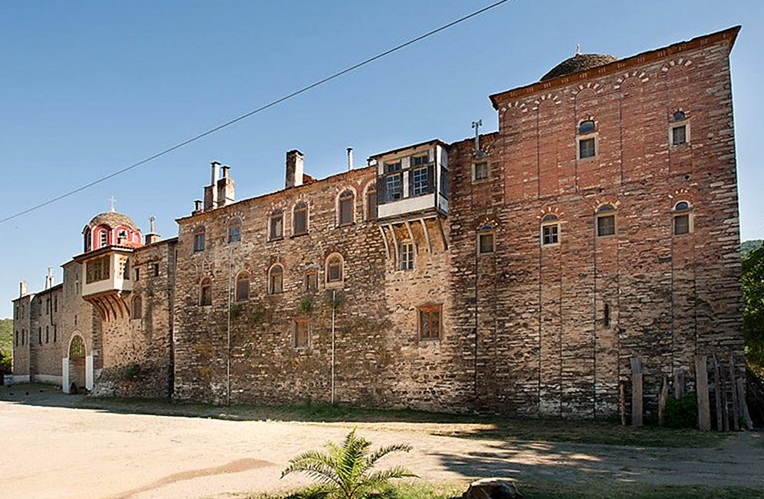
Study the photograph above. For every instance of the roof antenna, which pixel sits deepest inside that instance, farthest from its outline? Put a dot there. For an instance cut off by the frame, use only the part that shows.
(476, 125)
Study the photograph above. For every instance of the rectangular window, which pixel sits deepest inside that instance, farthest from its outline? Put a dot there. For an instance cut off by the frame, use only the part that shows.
(301, 333)
(198, 243)
(606, 225)
(137, 274)
(334, 270)
(480, 171)
(606, 315)
(277, 226)
(277, 282)
(406, 254)
(420, 182)
(550, 234)
(242, 288)
(429, 321)
(371, 205)
(586, 148)
(485, 242)
(311, 280)
(678, 135)
(681, 224)
(394, 187)
(420, 160)
(393, 167)
(97, 270)
(156, 269)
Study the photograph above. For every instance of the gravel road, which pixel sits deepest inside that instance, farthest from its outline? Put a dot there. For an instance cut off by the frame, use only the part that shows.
(54, 450)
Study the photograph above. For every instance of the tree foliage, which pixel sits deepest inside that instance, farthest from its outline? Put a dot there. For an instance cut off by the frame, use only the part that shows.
(753, 308)
(346, 468)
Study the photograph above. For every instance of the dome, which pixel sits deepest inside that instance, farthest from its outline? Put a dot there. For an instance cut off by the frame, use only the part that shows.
(112, 219)
(579, 62)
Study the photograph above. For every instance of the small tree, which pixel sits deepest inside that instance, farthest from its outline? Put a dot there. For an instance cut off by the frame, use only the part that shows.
(346, 468)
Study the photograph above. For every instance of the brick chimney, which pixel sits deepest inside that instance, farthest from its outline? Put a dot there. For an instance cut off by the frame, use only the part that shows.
(294, 168)
(152, 236)
(225, 187)
(211, 191)
(23, 288)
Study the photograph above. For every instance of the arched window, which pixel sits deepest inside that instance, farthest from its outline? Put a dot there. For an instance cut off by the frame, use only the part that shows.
(205, 292)
(276, 225)
(550, 230)
(679, 129)
(88, 239)
(199, 239)
(587, 140)
(242, 286)
(586, 126)
(682, 218)
(300, 219)
(371, 203)
(103, 237)
(345, 208)
(276, 280)
(334, 270)
(136, 311)
(234, 231)
(605, 220)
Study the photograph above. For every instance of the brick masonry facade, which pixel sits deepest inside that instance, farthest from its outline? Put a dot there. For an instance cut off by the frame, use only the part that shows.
(588, 231)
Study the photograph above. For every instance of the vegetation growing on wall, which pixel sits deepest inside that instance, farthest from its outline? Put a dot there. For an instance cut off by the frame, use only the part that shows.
(753, 309)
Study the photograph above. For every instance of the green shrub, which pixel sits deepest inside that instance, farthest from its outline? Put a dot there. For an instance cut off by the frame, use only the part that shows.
(683, 412)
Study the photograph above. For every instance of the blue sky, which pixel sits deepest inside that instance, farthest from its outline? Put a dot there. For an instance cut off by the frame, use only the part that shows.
(90, 87)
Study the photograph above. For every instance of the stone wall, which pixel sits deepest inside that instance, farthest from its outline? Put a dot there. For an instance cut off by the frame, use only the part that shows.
(137, 347)
(544, 344)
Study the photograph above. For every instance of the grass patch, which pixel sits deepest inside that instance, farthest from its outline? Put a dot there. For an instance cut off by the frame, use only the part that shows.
(455, 425)
(541, 490)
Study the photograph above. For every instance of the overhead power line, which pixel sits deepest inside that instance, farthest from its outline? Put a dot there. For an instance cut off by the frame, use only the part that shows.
(253, 112)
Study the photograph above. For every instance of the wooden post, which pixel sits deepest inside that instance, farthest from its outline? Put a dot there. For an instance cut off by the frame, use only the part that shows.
(662, 401)
(679, 384)
(636, 392)
(733, 389)
(622, 401)
(744, 414)
(718, 395)
(701, 386)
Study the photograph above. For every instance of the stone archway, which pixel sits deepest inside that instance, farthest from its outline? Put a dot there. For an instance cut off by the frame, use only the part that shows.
(76, 366)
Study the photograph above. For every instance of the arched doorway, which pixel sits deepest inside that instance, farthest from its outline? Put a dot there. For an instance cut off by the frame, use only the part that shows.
(76, 366)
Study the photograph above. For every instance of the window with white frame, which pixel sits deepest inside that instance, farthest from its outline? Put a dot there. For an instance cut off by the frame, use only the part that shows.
(406, 255)
(550, 230)
(234, 231)
(334, 270)
(276, 225)
(345, 208)
(586, 141)
(480, 171)
(276, 280)
(679, 129)
(682, 218)
(605, 220)
(300, 219)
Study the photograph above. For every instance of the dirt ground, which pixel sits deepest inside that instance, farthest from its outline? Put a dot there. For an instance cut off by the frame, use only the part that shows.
(51, 449)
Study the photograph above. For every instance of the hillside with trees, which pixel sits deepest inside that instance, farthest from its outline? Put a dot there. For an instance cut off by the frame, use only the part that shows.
(6, 345)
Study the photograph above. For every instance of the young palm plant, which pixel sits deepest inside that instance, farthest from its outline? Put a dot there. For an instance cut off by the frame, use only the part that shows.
(346, 468)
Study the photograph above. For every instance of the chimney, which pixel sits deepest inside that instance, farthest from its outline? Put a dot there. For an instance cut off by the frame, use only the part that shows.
(294, 168)
(23, 288)
(225, 188)
(350, 158)
(210, 192)
(49, 278)
(152, 236)
(197, 206)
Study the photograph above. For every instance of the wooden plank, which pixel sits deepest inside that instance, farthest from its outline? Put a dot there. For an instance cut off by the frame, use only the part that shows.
(733, 388)
(744, 414)
(679, 385)
(637, 398)
(662, 397)
(701, 386)
(718, 395)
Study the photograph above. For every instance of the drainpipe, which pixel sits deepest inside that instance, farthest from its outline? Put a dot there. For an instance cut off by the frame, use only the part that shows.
(334, 307)
(228, 331)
